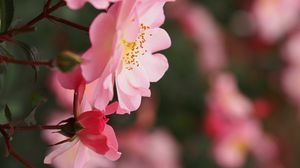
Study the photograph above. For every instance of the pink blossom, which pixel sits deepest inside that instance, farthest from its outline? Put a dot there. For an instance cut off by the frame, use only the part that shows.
(99, 4)
(123, 52)
(95, 138)
(88, 158)
(269, 19)
(199, 25)
(232, 150)
(148, 149)
(291, 83)
(291, 50)
(64, 84)
(226, 99)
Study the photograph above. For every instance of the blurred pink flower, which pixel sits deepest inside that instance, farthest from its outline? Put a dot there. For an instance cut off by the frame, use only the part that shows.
(291, 50)
(124, 45)
(232, 150)
(199, 25)
(291, 83)
(269, 19)
(99, 4)
(226, 99)
(148, 150)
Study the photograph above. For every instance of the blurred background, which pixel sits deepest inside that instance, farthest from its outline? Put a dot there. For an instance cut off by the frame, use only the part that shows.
(231, 96)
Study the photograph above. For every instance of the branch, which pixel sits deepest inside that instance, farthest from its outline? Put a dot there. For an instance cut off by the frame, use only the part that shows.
(67, 22)
(25, 62)
(11, 150)
(32, 127)
(38, 18)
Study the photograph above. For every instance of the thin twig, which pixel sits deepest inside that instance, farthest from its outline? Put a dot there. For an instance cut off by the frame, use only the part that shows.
(25, 62)
(68, 23)
(38, 18)
(11, 150)
(31, 127)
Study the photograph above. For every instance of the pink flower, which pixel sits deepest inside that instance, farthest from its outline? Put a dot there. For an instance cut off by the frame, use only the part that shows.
(143, 149)
(99, 4)
(291, 50)
(226, 99)
(123, 52)
(271, 23)
(199, 25)
(71, 157)
(93, 137)
(291, 83)
(231, 151)
(63, 85)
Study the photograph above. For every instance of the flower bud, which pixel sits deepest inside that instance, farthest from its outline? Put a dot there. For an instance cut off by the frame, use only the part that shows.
(67, 61)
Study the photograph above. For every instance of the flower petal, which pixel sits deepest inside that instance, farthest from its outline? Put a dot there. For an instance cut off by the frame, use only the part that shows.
(112, 143)
(98, 143)
(82, 156)
(152, 13)
(155, 65)
(112, 108)
(137, 77)
(70, 80)
(58, 151)
(157, 39)
(127, 103)
(102, 33)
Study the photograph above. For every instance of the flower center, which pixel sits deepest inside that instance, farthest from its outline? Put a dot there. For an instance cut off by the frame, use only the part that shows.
(133, 50)
(240, 145)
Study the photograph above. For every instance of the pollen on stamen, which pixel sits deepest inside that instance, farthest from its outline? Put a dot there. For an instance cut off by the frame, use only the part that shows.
(134, 49)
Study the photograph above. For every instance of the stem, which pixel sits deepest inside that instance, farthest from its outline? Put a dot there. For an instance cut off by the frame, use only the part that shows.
(25, 62)
(11, 150)
(67, 22)
(75, 104)
(38, 18)
(32, 127)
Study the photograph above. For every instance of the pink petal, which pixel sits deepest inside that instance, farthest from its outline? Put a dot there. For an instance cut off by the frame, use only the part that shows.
(102, 33)
(100, 4)
(126, 9)
(98, 143)
(104, 91)
(82, 156)
(157, 39)
(127, 103)
(125, 86)
(155, 65)
(137, 77)
(112, 142)
(65, 96)
(75, 4)
(112, 108)
(58, 151)
(70, 80)
(152, 13)
(92, 121)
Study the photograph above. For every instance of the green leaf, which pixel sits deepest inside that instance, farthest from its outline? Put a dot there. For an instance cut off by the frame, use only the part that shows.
(6, 14)
(30, 118)
(7, 113)
(31, 54)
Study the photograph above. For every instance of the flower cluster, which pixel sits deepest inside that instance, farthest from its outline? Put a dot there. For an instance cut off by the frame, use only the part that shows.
(123, 55)
(230, 120)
